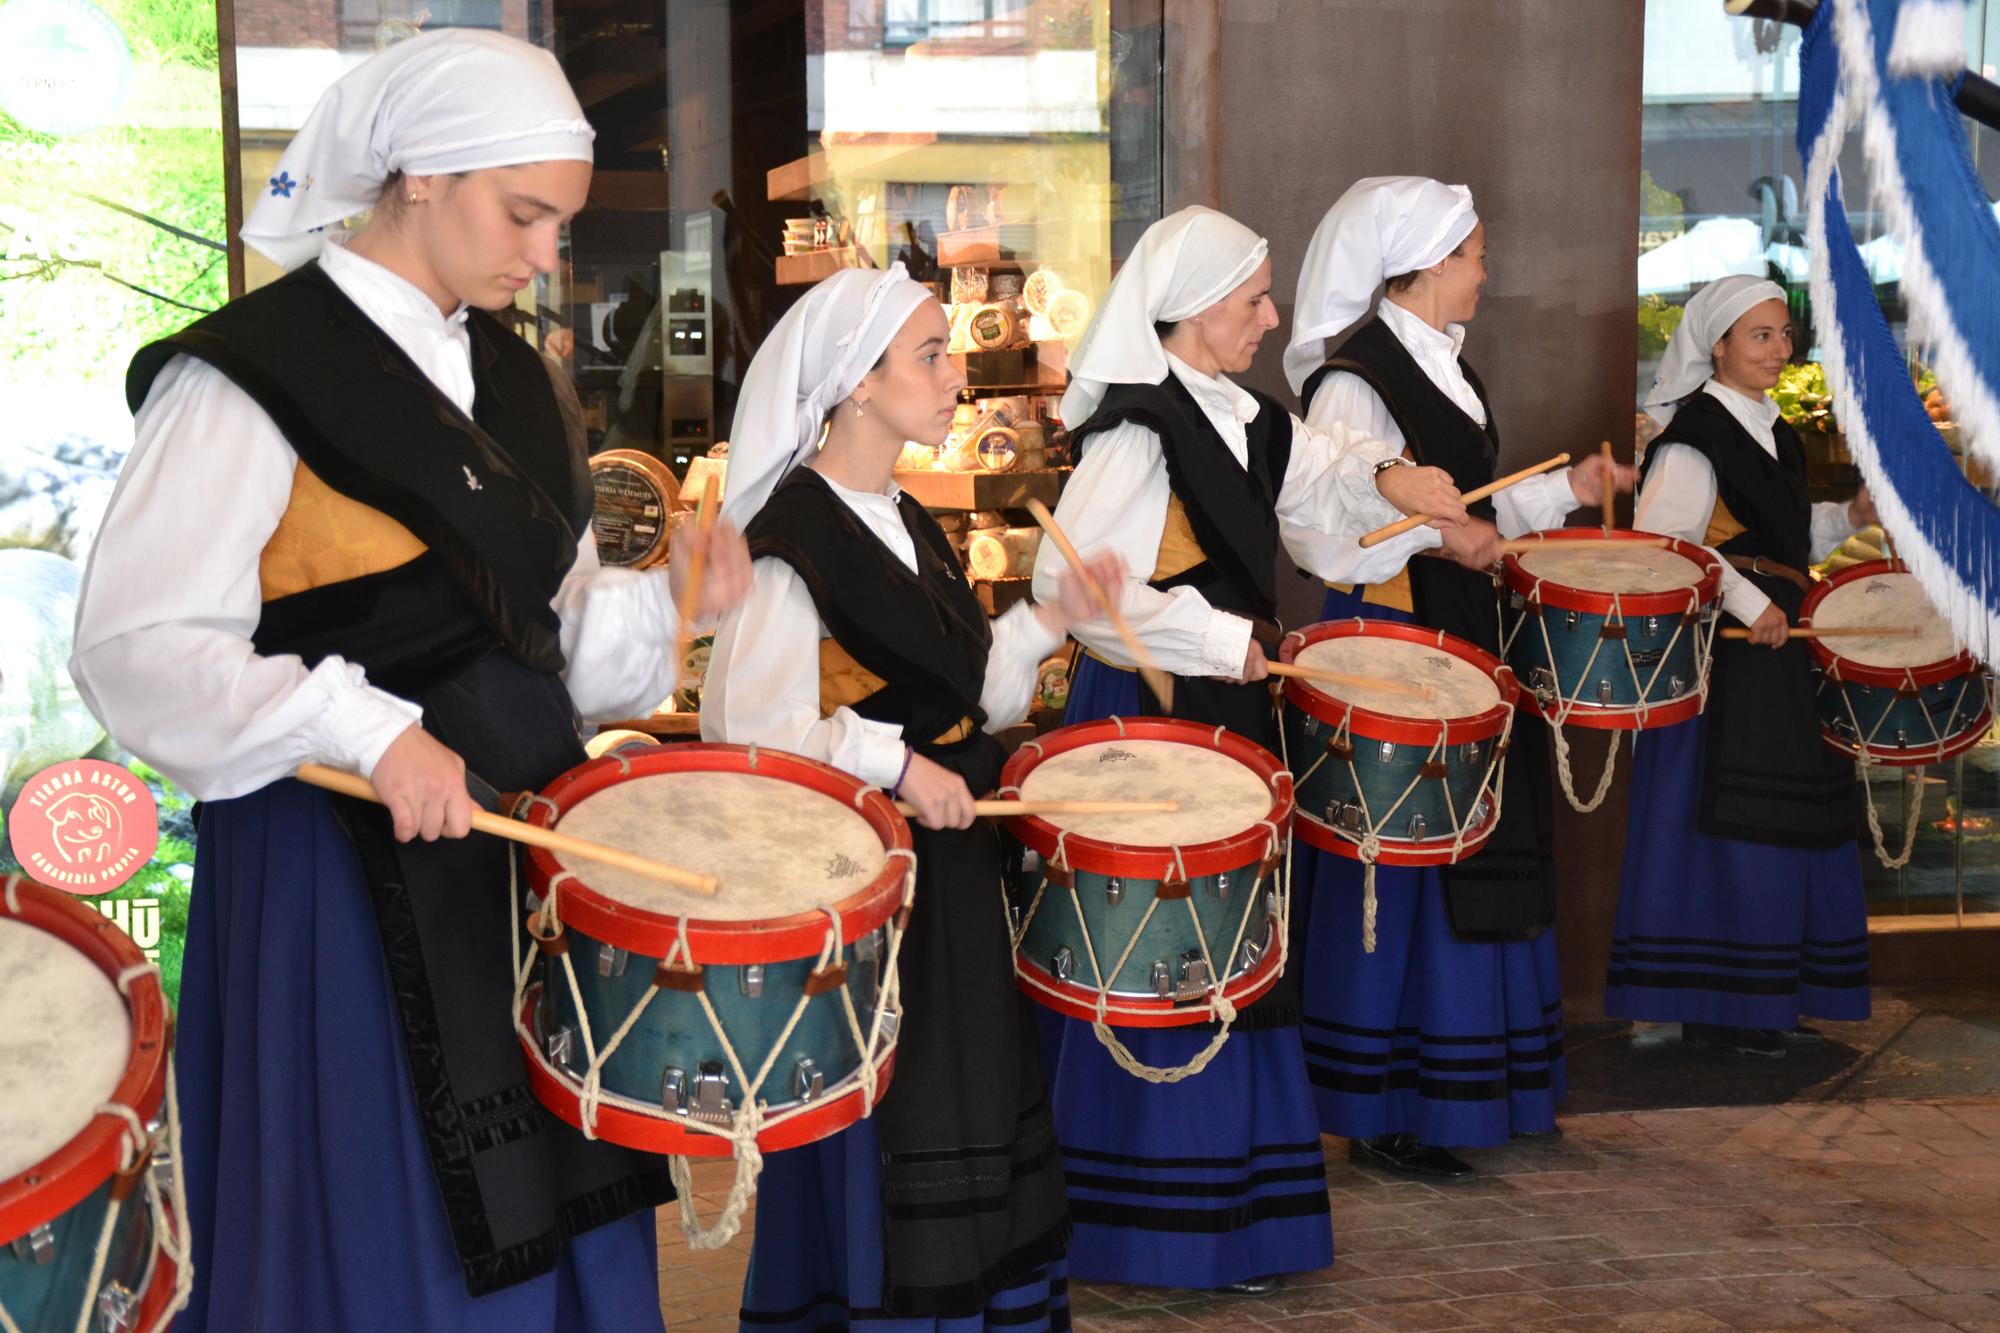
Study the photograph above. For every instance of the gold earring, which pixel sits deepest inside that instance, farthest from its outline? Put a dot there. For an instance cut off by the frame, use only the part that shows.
(860, 408)
(413, 198)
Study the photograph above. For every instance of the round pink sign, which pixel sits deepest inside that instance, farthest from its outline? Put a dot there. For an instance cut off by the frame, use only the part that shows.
(85, 826)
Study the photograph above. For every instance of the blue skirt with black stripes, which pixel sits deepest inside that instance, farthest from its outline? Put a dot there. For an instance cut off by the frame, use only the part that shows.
(1457, 1042)
(1216, 1179)
(1713, 930)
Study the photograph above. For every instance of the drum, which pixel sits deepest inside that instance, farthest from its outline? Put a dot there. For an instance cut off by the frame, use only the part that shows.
(1150, 920)
(1607, 638)
(1902, 700)
(88, 1235)
(673, 1022)
(1387, 773)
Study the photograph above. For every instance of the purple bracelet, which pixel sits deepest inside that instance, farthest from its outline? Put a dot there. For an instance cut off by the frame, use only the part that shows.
(896, 791)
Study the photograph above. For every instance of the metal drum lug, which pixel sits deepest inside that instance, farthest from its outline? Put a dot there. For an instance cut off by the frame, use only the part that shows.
(673, 1090)
(117, 1309)
(750, 980)
(1417, 828)
(1252, 953)
(37, 1247)
(1569, 620)
(1063, 965)
(1470, 752)
(1604, 691)
(1194, 976)
(807, 1080)
(1388, 752)
(1162, 978)
(560, 1046)
(711, 1091)
(1651, 625)
(611, 960)
(1114, 890)
(1222, 886)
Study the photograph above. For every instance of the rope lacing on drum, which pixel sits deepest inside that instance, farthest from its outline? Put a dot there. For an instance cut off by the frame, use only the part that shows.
(752, 1117)
(1864, 760)
(13, 894)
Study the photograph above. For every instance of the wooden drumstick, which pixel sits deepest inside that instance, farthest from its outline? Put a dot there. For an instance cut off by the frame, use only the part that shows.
(1015, 807)
(704, 523)
(1325, 677)
(1610, 505)
(1836, 632)
(562, 844)
(1518, 544)
(1398, 528)
(1158, 681)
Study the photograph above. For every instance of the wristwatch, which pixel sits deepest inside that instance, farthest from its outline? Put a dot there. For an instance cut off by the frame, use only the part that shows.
(1395, 461)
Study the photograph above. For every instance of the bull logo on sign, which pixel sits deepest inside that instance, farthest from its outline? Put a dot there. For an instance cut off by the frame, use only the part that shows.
(86, 828)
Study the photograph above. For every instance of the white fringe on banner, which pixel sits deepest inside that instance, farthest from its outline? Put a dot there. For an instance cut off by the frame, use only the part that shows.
(1929, 40)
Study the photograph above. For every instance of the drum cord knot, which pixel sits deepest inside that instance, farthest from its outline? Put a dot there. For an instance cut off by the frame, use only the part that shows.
(14, 894)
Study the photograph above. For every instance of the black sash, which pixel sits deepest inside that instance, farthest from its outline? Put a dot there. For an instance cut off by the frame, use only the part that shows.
(1507, 890)
(1767, 776)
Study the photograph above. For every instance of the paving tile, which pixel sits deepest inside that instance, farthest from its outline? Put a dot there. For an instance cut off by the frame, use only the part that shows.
(1961, 1279)
(1670, 1321)
(1879, 1282)
(1508, 1311)
(1483, 1282)
(1414, 1317)
(1954, 1308)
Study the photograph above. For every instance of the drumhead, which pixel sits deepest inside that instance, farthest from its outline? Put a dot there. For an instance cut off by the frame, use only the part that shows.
(1608, 569)
(779, 848)
(1892, 598)
(1460, 688)
(1218, 796)
(65, 1041)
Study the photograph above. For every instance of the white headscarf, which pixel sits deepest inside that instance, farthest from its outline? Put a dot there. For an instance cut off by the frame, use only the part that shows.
(1182, 265)
(1382, 227)
(1689, 361)
(812, 360)
(454, 100)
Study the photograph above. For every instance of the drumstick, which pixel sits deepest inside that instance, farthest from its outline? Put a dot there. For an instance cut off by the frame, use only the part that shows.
(1835, 632)
(1325, 677)
(1518, 544)
(353, 784)
(704, 523)
(1398, 528)
(1000, 807)
(1156, 680)
(1610, 493)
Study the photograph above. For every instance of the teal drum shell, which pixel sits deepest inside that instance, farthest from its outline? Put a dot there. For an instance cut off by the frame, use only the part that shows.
(1904, 716)
(1135, 907)
(1616, 661)
(1420, 781)
(45, 1275)
(669, 1085)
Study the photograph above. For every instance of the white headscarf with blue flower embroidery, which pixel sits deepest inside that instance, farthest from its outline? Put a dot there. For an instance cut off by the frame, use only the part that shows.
(455, 100)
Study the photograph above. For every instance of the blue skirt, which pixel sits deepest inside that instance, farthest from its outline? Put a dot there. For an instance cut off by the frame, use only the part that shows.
(1713, 930)
(1457, 1042)
(1216, 1179)
(310, 1191)
(816, 1260)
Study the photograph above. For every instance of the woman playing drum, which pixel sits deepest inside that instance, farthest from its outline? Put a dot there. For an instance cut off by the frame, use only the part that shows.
(1188, 476)
(380, 556)
(1742, 905)
(861, 645)
(1449, 1034)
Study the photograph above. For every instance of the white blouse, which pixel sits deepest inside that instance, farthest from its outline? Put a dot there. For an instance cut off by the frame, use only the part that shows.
(1345, 399)
(171, 594)
(763, 673)
(1116, 500)
(1679, 497)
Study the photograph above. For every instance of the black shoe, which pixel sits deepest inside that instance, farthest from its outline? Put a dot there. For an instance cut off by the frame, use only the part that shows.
(1805, 1036)
(1763, 1043)
(1405, 1155)
(1256, 1286)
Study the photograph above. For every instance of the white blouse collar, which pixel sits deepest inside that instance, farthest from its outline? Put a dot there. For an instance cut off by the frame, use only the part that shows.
(388, 298)
(1419, 337)
(1215, 393)
(1758, 415)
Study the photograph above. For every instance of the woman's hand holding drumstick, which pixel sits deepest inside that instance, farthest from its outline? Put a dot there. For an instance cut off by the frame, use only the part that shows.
(1158, 681)
(1380, 535)
(1428, 491)
(708, 572)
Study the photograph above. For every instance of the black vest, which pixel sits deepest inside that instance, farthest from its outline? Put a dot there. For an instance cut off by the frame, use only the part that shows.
(924, 634)
(1767, 776)
(496, 499)
(1507, 890)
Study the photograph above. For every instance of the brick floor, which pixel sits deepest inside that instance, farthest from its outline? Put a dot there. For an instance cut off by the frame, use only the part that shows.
(1872, 1215)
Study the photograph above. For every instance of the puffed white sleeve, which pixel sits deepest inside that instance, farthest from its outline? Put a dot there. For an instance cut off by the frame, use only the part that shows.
(1676, 500)
(1020, 644)
(1116, 500)
(1830, 527)
(619, 628)
(166, 662)
(1345, 412)
(763, 684)
(1534, 505)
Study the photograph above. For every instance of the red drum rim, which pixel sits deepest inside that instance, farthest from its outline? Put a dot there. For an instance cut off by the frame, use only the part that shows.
(775, 940)
(1310, 699)
(629, 1129)
(1073, 999)
(57, 1183)
(166, 1275)
(1676, 601)
(1129, 860)
(1397, 852)
(1617, 717)
(1914, 756)
(1840, 668)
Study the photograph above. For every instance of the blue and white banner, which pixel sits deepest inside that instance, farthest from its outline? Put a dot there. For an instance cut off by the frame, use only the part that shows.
(1923, 177)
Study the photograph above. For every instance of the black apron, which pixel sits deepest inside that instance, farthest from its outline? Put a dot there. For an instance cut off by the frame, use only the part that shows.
(1767, 775)
(466, 631)
(972, 1186)
(1506, 890)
